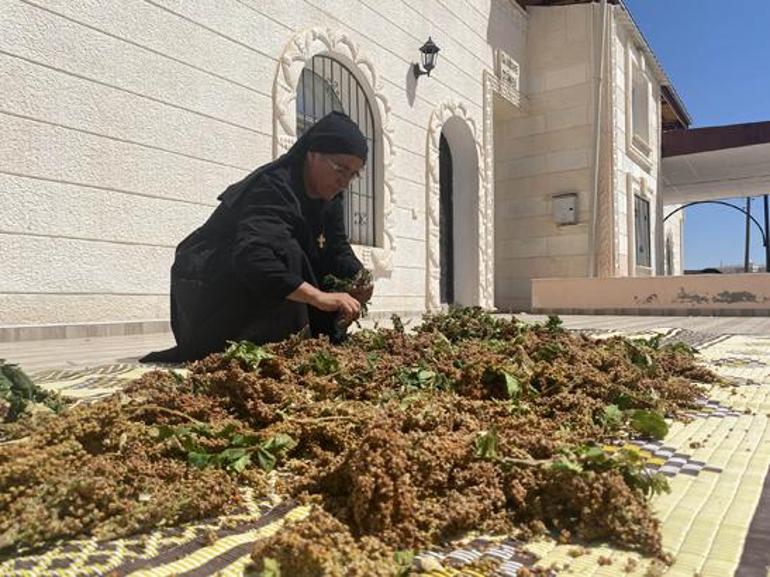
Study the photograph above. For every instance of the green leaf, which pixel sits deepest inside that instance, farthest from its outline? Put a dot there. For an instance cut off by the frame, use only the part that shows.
(266, 460)
(512, 386)
(22, 384)
(649, 423)
(554, 324)
(594, 454)
(624, 401)
(165, 432)
(404, 560)
(227, 431)
(198, 459)
(417, 378)
(203, 430)
(244, 440)
(5, 383)
(230, 454)
(322, 363)
(271, 568)
(189, 444)
(612, 417)
(425, 377)
(486, 444)
(241, 463)
(247, 352)
(279, 443)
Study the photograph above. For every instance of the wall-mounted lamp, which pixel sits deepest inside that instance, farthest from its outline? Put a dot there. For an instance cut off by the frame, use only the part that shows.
(429, 56)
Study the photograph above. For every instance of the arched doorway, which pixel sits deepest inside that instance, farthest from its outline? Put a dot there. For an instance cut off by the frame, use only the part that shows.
(471, 227)
(453, 274)
(446, 224)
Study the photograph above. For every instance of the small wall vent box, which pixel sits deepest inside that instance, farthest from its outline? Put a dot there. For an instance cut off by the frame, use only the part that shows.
(565, 208)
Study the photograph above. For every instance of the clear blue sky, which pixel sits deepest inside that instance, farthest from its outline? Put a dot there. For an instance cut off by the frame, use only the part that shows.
(717, 54)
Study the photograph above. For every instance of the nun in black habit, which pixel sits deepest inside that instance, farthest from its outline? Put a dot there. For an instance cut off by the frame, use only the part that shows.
(252, 270)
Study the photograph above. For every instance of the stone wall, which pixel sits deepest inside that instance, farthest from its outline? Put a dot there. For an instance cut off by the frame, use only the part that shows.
(123, 122)
(725, 294)
(545, 153)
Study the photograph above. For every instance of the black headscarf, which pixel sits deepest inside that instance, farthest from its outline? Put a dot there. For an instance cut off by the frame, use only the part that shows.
(335, 133)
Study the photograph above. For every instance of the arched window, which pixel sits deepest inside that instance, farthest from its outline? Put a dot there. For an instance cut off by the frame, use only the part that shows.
(327, 85)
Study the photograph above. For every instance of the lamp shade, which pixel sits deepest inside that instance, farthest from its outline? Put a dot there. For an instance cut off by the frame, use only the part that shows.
(429, 55)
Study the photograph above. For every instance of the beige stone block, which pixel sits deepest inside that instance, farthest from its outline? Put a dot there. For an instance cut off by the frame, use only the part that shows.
(578, 22)
(568, 244)
(567, 160)
(409, 194)
(409, 223)
(551, 183)
(524, 248)
(567, 118)
(567, 76)
(520, 147)
(92, 54)
(570, 139)
(38, 309)
(524, 208)
(538, 144)
(513, 288)
(518, 127)
(523, 167)
(410, 253)
(53, 153)
(26, 204)
(538, 226)
(383, 304)
(562, 98)
(551, 267)
(402, 282)
(61, 99)
(512, 305)
(60, 265)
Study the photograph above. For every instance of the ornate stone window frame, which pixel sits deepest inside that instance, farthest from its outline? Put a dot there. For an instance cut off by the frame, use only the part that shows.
(638, 186)
(296, 54)
(439, 117)
(638, 148)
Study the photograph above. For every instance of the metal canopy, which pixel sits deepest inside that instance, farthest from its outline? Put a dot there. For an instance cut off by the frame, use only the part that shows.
(716, 162)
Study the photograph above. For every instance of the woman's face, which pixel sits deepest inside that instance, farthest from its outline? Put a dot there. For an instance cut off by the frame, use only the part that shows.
(329, 174)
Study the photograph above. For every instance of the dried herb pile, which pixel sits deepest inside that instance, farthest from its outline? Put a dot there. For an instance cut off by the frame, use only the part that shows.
(400, 439)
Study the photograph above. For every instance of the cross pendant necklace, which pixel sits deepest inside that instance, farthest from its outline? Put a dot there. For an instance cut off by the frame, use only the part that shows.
(321, 240)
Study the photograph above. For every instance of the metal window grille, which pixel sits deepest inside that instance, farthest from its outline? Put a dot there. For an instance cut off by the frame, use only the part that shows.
(327, 85)
(642, 226)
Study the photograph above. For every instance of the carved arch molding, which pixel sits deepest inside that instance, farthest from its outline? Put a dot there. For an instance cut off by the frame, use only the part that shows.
(299, 51)
(484, 204)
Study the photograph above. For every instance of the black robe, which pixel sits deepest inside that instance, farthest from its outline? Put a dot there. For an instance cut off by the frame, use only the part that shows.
(231, 277)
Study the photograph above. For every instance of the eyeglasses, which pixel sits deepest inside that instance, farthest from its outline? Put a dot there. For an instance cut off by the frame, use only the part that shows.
(342, 171)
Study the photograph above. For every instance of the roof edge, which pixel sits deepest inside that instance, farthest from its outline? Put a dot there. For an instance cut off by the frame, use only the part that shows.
(711, 138)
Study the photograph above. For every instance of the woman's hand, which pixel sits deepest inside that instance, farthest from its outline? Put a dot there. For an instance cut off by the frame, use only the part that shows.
(343, 303)
(348, 307)
(363, 294)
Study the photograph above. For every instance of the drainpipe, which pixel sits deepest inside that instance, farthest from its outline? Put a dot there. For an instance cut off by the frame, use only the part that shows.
(597, 140)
